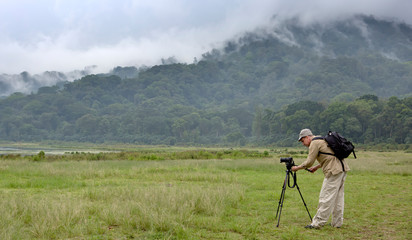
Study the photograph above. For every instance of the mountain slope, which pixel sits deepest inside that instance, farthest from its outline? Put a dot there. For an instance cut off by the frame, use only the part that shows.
(219, 98)
(359, 56)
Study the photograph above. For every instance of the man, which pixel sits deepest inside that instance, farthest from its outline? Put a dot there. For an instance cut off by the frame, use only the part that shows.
(331, 197)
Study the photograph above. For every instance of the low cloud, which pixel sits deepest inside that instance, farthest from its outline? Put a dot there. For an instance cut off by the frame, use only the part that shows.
(70, 35)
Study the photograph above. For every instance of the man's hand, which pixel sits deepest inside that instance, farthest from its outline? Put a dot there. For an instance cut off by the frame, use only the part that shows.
(313, 169)
(295, 168)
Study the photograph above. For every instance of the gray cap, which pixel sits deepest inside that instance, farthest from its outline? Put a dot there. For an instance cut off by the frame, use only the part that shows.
(304, 133)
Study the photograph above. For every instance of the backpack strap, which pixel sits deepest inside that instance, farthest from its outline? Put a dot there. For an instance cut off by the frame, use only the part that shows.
(341, 162)
(317, 138)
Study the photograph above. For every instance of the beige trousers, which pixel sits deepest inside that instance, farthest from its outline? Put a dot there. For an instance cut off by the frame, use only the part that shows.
(331, 201)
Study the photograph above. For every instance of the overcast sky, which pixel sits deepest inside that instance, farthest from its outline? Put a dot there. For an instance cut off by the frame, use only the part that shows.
(66, 35)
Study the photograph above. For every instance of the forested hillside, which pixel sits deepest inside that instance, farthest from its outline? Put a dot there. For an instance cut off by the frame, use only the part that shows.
(353, 76)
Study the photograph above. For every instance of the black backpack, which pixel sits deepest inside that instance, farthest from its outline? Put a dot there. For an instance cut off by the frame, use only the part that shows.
(340, 146)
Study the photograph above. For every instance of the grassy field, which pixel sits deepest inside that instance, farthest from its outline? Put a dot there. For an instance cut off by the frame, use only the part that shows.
(226, 195)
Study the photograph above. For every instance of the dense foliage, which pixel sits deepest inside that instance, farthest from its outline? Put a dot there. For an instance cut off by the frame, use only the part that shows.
(259, 89)
(365, 120)
(89, 113)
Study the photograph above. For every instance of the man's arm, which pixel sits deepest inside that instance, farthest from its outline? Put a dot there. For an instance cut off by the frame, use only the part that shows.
(296, 168)
(312, 169)
(313, 153)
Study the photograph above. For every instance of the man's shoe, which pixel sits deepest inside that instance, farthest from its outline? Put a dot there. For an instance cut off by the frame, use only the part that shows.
(311, 227)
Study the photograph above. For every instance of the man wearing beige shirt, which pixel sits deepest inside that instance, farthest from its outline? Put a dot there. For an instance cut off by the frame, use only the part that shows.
(331, 197)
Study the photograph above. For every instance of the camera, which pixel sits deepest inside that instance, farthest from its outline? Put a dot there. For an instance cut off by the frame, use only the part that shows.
(288, 161)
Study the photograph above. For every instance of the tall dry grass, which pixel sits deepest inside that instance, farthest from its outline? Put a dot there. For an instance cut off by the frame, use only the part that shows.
(197, 199)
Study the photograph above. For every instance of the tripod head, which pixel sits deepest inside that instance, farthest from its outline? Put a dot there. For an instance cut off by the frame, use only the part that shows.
(288, 161)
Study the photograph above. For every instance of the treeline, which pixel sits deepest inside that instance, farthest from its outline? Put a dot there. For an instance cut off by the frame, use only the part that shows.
(366, 120)
(106, 109)
(58, 117)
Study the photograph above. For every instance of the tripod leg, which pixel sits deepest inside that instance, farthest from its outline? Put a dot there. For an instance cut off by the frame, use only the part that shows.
(303, 201)
(282, 197)
(282, 194)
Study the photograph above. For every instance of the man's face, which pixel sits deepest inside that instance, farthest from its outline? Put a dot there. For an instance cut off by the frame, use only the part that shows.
(305, 141)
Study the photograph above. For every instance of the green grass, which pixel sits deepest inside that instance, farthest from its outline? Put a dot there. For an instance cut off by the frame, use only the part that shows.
(197, 198)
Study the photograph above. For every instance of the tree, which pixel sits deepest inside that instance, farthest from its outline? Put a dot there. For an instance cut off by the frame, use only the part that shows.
(178, 127)
(217, 123)
(87, 125)
(258, 123)
(35, 107)
(236, 138)
(300, 119)
(362, 111)
(352, 127)
(49, 120)
(332, 114)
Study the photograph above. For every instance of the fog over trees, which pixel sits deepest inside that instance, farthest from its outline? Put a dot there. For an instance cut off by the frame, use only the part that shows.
(352, 76)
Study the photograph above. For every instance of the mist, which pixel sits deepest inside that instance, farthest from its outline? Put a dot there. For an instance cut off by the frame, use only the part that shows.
(53, 35)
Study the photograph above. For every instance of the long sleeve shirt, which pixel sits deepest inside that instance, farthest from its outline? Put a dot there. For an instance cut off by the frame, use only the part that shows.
(331, 165)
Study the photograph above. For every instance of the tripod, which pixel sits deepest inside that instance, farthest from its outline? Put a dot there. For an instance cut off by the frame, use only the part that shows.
(282, 195)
